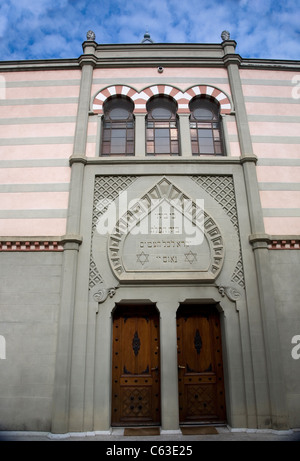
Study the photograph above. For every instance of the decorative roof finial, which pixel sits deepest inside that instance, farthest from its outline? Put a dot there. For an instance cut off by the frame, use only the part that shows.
(90, 36)
(147, 38)
(225, 35)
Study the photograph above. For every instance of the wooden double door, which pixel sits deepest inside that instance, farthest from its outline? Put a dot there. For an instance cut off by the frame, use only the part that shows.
(136, 366)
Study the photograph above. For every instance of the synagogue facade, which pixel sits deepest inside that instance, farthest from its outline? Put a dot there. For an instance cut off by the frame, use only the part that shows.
(149, 239)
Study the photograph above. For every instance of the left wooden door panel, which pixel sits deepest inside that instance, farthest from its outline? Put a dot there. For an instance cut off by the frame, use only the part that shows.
(135, 367)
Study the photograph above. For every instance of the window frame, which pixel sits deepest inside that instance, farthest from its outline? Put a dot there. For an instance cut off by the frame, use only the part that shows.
(111, 125)
(162, 131)
(213, 124)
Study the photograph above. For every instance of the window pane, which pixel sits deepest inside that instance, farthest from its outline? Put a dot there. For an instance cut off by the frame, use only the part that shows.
(195, 148)
(204, 125)
(205, 133)
(216, 135)
(162, 149)
(162, 145)
(206, 142)
(162, 124)
(207, 147)
(106, 135)
(106, 148)
(173, 133)
(162, 133)
(118, 125)
(218, 148)
(130, 148)
(174, 147)
(194, 134)
(118, 141)
(119, 114)
(130, 134)
(204, 109)
(150, 134)
(150, 147)
(161, 113)
(118, 147)
(203, 114)
(118, 134)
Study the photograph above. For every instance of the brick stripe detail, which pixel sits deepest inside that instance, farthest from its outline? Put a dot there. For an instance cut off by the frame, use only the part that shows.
(284, 245)
(214, 93)
(101, 97)
(30, 246)
(140, 98)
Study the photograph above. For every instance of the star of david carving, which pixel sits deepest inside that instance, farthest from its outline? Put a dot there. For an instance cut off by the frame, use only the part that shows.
(190, 257)
(142, 258)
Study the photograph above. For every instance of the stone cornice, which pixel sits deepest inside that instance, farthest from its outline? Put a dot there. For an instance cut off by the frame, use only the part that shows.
(156, 54)
(248, 158)
(43, 64)
(275, 242)
(132, 160)
(270, 64)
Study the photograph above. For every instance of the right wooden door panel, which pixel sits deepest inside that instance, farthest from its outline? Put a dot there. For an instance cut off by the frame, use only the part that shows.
(200, 366)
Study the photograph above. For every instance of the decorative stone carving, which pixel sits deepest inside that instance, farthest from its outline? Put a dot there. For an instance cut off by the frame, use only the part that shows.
(101, 295)
(106, 190)
(221, 189)
(91, 36)
(232, 293)
(225, 35)
(165, 251)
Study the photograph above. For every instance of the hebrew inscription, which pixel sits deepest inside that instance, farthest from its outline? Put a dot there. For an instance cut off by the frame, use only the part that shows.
(166, 235)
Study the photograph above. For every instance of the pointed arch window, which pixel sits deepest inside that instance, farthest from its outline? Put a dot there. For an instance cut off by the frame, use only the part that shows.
(205, 127)
(162, 127)
(118, 127)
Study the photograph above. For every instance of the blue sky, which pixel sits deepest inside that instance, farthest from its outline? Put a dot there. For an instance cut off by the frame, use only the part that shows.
(55, 29)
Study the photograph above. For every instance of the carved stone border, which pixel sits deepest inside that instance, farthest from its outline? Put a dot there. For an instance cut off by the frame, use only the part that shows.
(164, 189)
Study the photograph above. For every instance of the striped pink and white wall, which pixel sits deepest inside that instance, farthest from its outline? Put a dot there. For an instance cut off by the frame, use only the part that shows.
(37, 123)
(273, 108)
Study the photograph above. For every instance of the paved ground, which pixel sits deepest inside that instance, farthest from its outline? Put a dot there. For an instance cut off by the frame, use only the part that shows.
(117, 436)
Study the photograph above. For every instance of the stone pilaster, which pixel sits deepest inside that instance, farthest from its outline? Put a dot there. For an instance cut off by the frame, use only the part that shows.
(274, 375)
(169, 367)
(62, 384)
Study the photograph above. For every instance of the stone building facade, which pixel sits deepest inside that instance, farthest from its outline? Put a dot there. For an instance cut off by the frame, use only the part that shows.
(149, 241)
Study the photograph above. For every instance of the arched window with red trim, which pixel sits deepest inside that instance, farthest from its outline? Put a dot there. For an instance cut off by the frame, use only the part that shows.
(162, 126)
(205, 127)
(118, 126)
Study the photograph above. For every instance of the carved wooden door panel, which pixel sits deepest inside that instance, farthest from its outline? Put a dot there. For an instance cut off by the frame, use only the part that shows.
(200, 367)
(135, 373)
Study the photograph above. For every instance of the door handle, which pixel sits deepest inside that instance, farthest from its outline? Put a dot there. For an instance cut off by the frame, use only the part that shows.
(181, 366)
(154, 369)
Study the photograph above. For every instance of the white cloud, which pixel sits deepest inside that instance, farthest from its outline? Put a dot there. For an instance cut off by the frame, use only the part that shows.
(46, 29)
